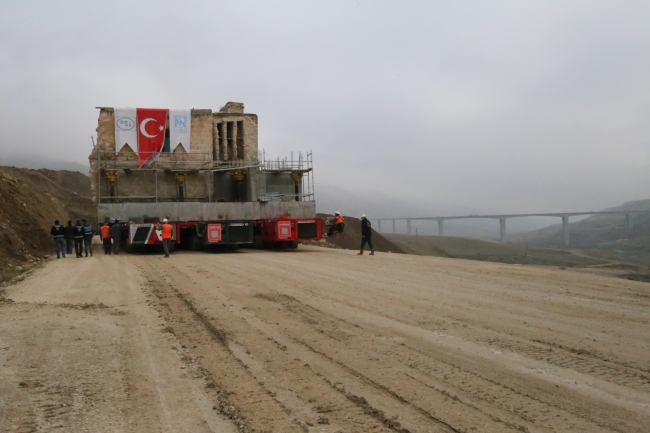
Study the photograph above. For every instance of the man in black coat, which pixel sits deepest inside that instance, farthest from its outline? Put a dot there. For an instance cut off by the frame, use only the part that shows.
(69, 237)
(116, 236)
(58, 233)
(79, 238)
(366, 235)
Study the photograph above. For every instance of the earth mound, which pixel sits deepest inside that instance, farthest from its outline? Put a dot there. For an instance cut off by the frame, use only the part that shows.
(351, 238)
(30, 201)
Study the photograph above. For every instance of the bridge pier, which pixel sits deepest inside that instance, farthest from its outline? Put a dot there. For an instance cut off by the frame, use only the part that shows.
(408, 227)
(628, 220)
(440, 230)
(565, 229)
(393, 226)
(502, 224)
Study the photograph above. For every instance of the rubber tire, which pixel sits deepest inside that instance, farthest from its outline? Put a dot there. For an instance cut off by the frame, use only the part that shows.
(293, 245)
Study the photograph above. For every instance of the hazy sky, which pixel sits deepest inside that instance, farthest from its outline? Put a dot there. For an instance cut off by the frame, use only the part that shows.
(452, 106)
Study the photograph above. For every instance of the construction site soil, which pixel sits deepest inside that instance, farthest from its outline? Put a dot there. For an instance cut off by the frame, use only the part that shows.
(30, 201)
(321, 340)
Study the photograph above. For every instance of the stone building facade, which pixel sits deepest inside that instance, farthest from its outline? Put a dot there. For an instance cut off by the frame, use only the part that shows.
(217, 167)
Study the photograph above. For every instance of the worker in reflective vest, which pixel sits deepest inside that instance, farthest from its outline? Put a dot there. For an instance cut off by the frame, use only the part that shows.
(167, 231)
(338, 226)
(105, 232)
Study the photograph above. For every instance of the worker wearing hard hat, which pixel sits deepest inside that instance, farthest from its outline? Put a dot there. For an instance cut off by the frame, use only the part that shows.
(338, 226)
(167, 232)
(366, 235)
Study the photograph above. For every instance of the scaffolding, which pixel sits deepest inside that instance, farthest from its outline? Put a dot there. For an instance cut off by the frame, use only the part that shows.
(293, 175)
(300, 179)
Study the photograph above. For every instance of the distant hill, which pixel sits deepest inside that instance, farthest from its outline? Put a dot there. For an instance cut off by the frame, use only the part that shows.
(36, 162)
(605, 232)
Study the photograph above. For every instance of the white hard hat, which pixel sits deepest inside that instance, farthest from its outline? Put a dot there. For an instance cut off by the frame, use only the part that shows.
(363, 215)
(164, 220)
(337, 213)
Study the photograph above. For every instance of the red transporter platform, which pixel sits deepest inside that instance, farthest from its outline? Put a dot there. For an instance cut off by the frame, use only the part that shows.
(196, 235)
(286, 232)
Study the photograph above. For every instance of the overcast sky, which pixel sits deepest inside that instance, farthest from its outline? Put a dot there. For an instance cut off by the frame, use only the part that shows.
(452, 106)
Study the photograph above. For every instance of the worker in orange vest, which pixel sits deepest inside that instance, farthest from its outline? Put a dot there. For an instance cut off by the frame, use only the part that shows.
(338, 225)
(105, 233)
(167, 230)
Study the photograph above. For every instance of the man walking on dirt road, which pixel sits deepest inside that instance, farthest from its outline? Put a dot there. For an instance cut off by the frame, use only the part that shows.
(166, 236)
(69, 237)
(58, 233)
(116, 236)
(366, 235)
(105, 234)
(89, 232)
(79, 239)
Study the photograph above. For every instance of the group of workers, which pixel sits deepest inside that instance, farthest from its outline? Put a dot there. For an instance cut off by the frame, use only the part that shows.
(82, 235)
(338, 226)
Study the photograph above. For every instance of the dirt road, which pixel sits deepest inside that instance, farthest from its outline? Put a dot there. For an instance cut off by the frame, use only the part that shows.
(321, 340)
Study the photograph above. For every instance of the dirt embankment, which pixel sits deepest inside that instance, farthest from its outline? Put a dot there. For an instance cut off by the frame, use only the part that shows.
(30, 201)
(351, 238)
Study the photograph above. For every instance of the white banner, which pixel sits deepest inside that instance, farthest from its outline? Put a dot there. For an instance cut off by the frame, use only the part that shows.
(179, 128)
(125, 129)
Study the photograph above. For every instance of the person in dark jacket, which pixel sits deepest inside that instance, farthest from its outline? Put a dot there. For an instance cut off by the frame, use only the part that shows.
(58, 234)
(116, 236)
(69, 237)
(366, 235)
(89, 232)
(79, 238)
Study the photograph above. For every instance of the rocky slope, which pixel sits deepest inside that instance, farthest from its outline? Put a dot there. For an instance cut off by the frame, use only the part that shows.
(30, 201)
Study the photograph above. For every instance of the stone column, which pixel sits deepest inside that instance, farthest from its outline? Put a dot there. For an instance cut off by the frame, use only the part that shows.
(378, 226)
(440, 230)
(234, 141)
(408, 226)
(502, 224)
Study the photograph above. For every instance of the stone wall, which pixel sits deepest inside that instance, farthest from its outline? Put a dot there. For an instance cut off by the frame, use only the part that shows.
(204, 147)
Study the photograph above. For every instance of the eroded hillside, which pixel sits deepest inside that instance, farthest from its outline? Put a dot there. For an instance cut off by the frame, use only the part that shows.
(30, 201)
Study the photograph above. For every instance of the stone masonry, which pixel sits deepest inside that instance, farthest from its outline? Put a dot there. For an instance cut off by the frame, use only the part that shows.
(223, 142)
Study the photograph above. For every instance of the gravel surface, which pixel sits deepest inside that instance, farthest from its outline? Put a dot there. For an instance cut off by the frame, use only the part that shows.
(321, 340)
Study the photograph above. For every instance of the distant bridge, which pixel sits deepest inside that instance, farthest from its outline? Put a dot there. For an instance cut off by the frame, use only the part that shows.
(502, 220)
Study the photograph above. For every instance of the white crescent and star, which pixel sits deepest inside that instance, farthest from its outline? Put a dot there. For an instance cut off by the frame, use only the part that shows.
(143, 128)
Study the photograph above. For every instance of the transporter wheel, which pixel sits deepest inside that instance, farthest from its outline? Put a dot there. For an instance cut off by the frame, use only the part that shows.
(258, 244)
(293, 245)
(172, 247)
(195, 243)
(130, 248)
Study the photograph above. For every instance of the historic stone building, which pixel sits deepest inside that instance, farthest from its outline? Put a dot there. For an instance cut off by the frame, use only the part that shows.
(223, 139)
(220, 166)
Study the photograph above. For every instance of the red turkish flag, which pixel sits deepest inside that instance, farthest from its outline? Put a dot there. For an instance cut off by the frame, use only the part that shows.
(152, 123)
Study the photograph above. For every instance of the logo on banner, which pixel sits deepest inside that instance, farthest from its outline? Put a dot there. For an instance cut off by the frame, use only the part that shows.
(180, 124)
(125, 123)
